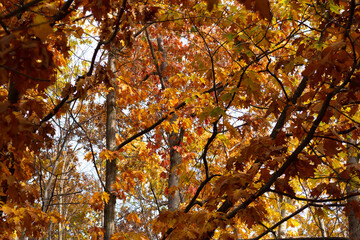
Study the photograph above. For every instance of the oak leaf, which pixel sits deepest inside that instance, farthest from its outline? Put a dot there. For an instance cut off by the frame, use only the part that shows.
(42, 27)
(262, 6)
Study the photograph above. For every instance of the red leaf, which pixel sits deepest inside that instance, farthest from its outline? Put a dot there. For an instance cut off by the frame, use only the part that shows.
(163, 175)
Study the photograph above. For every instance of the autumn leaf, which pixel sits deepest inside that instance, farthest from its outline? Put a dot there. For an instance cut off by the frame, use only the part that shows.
(202, 118)
(41, 27)
(262, 6)
(211, 3)
(4, 106)
(133, 217)
(105, 197)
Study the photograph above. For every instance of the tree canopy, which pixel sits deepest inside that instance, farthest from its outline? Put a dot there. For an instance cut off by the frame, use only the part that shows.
(200, 119)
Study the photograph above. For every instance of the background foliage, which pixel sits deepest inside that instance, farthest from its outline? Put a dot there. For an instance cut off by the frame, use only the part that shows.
(234, 119)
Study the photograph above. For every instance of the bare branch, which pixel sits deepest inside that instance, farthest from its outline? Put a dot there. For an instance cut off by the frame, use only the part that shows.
(92, 151)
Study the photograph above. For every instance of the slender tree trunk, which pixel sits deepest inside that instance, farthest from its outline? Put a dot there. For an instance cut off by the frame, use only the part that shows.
(281, 230)
(174, 139)
(322, 227)
(109, 211)
(353, 220)
(63, 210)
(175, 159)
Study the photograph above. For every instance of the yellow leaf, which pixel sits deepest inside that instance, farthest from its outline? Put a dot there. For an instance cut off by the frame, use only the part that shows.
(41, 27)
(54, 219)
(293, 223)
(16, 220)
(88, 156)
(105, 197)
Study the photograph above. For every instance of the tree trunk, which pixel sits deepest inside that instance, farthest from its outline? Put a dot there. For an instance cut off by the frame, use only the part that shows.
(175, 159)
(61, 208)
(322, 227)
(174, 139)
(109, 211)
(281, 230)
(354, 221)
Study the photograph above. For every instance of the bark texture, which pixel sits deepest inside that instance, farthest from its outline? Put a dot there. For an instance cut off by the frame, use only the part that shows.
(109, 211)
(174, 139)
(281, 233)
(175, 159)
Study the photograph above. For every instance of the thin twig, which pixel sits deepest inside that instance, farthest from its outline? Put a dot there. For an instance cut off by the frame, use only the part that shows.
(92, 151)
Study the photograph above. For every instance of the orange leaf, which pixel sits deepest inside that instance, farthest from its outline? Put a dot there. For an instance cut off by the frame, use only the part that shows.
(133, 217)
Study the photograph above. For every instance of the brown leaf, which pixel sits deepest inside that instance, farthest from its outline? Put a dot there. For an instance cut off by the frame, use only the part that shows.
(211, 3)
(263, 6)
(4, 106)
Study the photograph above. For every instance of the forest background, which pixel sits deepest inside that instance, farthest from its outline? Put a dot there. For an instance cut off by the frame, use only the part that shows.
(201, 119)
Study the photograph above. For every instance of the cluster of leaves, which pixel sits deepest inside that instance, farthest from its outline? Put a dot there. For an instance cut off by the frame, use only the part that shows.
(264, 94)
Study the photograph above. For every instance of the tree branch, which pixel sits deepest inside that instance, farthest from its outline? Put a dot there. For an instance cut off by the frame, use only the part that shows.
(91, 68)
(276, 78)
(20, 9)
(281, 120)
(92, 152)
(202, 185)
(206, 148)
(64, 10)
(112, 36)
(288, 217)
(23, 74)
(158, 122)
(296, 152)
(315, 200)
(156, 63)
